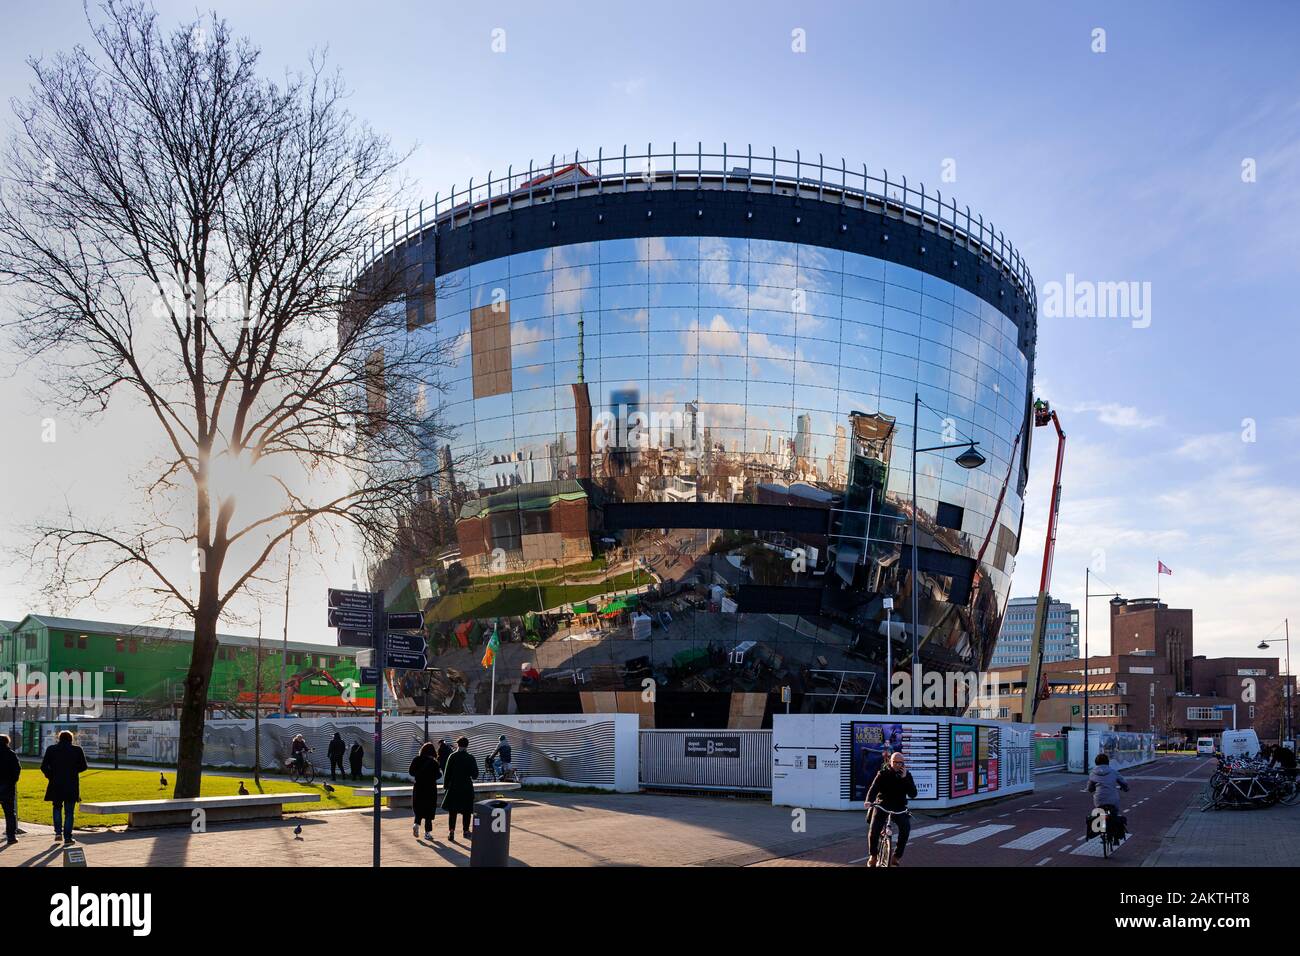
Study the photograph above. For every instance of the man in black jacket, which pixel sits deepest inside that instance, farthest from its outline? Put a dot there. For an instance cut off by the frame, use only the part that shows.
(892, 788)
(10, 770)
(336, 751)
(63, 765)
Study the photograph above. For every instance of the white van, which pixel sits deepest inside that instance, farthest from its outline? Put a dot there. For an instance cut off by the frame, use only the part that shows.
(1240, 743)
(1205, 746)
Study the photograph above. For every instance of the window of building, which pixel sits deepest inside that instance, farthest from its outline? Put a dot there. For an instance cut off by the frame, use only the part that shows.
(1201, 713)
(81, 642)
(29, 642)
(1251, 709)
(135, 645)
(119, 677)
(119, 645)
(67, 641)
(949, 515)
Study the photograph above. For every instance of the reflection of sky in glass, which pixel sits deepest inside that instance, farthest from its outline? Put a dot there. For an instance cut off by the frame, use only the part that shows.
(763, 335)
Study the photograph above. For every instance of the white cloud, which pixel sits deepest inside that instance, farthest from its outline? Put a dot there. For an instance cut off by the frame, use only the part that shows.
(1119, 416)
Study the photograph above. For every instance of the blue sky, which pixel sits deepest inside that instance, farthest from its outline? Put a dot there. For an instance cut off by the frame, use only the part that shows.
(1118, 166)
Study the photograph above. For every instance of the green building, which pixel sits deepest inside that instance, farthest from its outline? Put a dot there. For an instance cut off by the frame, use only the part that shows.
(147, 665)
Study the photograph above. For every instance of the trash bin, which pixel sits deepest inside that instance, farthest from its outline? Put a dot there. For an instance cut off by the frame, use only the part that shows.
(490, 845)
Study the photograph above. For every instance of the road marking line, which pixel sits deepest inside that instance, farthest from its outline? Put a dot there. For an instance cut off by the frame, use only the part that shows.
(931, 829)
(1032, 841)
(979, 833)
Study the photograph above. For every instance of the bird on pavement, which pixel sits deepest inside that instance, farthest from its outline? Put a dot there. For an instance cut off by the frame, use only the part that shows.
(328, 788)
(162, 780)
(243, 790)
(297, 831)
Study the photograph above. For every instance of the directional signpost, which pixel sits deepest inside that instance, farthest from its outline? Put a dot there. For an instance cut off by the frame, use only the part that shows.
(362, 622)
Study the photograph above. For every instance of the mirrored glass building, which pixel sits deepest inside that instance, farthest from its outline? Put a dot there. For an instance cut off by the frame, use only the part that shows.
(682, 402)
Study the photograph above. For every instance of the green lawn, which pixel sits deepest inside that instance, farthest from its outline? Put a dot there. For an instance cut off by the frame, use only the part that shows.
(107, 785)
(515, 601)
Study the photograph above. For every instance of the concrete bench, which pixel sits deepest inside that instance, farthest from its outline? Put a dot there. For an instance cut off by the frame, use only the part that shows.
(176, 812)
(399, 795)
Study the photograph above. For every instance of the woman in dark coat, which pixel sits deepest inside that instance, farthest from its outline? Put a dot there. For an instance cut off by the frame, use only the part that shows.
(63, 764)
(444, 751)
(355, 758)
(458, 781)
(424, 800)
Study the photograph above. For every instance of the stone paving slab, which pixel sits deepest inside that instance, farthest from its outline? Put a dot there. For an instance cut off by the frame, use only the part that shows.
(1264, 837)
(547, 830)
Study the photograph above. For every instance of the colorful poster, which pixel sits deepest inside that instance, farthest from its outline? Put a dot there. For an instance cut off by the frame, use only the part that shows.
(961, 762)
(986, 765)
(874, 743)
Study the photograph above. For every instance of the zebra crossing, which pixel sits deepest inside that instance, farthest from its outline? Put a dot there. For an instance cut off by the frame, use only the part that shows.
(1005, 836)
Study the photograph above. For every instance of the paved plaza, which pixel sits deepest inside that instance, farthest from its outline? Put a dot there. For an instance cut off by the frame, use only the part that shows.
(1044, 828)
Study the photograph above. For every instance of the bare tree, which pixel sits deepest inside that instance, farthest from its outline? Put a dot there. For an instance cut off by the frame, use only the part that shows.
(179, 229)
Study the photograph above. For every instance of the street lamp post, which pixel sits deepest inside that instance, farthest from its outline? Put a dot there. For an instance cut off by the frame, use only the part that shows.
(968, 459)
(889, 654)
(1088, 595)
(117, 697)
(1286, 687)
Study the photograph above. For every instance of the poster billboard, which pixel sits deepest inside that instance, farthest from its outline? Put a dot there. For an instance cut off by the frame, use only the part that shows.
(874, 743)
(961, 781)
(986, 763)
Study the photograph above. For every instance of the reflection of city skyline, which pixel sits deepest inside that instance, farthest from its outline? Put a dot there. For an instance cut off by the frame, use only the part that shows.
(629, 375)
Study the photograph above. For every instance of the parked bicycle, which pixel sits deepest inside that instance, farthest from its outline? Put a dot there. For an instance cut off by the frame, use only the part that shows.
(1248, 783)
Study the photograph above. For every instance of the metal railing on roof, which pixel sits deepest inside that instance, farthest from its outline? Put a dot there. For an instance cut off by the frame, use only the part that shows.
(746, 171)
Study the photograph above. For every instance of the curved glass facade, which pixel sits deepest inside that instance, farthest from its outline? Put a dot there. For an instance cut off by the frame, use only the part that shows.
(635, 420)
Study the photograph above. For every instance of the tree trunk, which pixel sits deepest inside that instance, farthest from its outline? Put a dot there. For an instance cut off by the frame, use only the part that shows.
(194, 705)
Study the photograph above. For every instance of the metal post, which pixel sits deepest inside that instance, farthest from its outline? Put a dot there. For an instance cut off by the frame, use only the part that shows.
(426, 705)
(116, 698)
(1289, 686)
(916, 571)
(378, 628)
(889, 654)
(1087, 585)
(284, 647)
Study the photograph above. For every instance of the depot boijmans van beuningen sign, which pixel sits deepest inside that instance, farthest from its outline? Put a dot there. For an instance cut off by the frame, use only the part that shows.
(711, 745)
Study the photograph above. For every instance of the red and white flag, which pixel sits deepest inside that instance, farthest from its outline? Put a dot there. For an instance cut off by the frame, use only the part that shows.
(1161, 569)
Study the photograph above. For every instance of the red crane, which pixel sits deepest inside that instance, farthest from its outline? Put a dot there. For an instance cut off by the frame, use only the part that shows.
(1036, 682)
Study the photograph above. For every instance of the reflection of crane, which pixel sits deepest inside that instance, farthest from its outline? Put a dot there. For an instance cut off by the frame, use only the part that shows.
(301, 677)
(1035, 683)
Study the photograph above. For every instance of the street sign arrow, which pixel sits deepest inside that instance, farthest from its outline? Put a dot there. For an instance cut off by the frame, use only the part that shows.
(352, 638)
(405, 621)
(404, 661)
(353, 618)
(356, 599)
(406, 643)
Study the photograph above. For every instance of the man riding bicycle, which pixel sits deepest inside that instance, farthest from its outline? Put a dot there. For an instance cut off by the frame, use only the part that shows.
(891, 790)
(298, 750)
(1105, 783)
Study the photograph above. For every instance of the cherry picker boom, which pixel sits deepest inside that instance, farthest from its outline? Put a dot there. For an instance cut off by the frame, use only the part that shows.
(1035, 682)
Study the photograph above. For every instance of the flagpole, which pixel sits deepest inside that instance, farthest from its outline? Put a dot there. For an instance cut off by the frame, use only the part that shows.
(492, 707)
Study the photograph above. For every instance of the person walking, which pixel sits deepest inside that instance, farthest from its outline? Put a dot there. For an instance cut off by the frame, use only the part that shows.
(444, 751)
(10, 771)
(63, 764)
(355, 757)
(458, 783)
(336, 750)
(424, 798)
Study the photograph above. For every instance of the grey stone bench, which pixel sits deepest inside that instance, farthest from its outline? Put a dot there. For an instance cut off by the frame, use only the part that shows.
(179, 812)
(399, 795)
